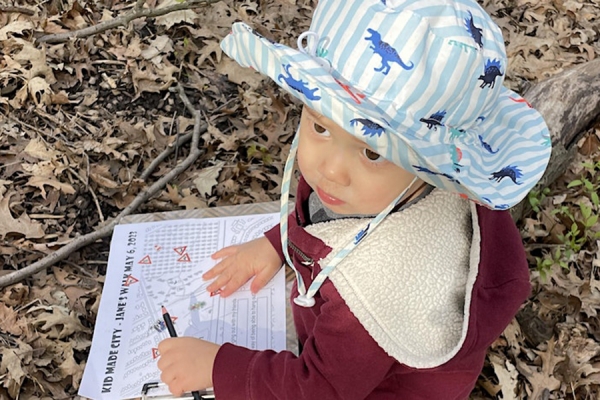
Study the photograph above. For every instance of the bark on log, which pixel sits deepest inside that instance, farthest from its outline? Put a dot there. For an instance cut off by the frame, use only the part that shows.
(570, 103)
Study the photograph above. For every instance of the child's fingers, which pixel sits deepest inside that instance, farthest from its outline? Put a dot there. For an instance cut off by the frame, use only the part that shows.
(261, 279)
(218, 283)
(217, 270)
(224, 252)
(233, 285)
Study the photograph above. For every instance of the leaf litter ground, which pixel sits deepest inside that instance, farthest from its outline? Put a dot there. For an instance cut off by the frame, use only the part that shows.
(82, 120)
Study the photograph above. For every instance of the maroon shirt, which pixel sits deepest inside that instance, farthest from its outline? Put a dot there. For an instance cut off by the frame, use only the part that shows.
(340, 360)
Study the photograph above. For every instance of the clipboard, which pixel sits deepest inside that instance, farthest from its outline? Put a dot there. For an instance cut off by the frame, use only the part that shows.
(101, 383)
(163, 393)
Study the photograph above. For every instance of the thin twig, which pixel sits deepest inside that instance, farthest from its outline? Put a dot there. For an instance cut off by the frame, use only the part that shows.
(13, 9)
(167, 152)
(122, 21)
(176, 138)
(89, 189)
(107, 229)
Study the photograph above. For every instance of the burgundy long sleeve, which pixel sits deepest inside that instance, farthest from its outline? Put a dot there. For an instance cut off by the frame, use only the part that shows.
(340, 360)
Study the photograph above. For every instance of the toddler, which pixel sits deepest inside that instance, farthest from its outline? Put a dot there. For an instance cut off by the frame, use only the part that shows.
(407, 264)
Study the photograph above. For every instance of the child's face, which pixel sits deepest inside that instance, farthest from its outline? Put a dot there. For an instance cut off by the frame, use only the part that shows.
(346, 174)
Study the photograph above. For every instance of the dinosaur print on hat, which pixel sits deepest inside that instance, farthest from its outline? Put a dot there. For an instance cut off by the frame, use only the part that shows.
(369, 127)
(434, 120)
(298, 85)
(388, 53)
(474, 31)
(511, 172)
(492, 71)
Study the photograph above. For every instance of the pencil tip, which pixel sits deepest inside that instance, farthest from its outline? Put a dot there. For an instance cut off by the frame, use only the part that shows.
(164, 310)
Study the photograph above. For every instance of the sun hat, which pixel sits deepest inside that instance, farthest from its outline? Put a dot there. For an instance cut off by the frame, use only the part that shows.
(421, 82)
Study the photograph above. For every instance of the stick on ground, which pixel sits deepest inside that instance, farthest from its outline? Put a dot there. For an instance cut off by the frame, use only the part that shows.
(107, 229)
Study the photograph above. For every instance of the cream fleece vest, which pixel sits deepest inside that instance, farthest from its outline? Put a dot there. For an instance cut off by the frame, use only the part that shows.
(409, 281)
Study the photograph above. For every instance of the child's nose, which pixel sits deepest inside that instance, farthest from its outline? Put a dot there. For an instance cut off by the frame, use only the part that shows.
(334, 168)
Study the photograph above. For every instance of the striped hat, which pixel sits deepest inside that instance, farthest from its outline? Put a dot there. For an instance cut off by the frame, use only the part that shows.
(421, 82)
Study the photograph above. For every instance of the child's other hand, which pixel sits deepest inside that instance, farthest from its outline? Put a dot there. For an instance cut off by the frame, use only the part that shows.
(239, 263)
(186, 364)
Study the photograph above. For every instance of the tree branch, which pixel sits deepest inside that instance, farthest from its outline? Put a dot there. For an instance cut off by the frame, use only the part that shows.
(13, 9)
(107, 229)
(569, 103)
(123, 20)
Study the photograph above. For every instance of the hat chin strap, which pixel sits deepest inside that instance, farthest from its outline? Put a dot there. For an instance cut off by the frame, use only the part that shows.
(306, 297)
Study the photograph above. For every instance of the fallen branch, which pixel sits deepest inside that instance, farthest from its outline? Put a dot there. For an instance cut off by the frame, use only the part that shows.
(570, 103)
(137, 12)
(13, 9)
(167, 152)
(107, 229)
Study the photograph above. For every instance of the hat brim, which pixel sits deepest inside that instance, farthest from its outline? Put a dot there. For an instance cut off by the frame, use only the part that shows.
(508, 148)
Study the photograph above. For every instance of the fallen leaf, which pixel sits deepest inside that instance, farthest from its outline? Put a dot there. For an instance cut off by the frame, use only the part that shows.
(168, 20)
(9, 321)
(192, 202)
(507, 376)
(206, 179)
(237, 74)
(59, 323)
(41, 181)
(22, 225)
(36, 148)
(541, 379)
(12, 367)
(161, 45)
(15, 27)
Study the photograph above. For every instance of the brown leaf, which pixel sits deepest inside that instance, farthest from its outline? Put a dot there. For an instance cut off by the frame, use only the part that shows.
(507, 376)
(69, 368)
(41, 181)
(541, 379)
(191, 201)
(38, 149)
(170, 19)
(12, 367)
(15, 295)
(237, 74)
(22, 225)
(58, 323)
(9, 321)
(206, 179)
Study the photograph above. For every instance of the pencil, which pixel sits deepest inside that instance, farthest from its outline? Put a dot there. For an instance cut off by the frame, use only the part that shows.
(168, 322)
(173, 333)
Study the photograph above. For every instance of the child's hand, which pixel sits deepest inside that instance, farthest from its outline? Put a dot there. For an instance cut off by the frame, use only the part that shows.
(186, 364)
(241, 262)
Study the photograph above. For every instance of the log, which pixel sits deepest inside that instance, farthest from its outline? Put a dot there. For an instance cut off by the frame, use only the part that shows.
(570, 104)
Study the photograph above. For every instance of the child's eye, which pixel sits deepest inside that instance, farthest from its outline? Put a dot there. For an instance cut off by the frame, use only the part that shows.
(321, 130)
(372, 156)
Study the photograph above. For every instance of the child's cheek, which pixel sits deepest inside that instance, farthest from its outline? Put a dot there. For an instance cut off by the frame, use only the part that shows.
(308, 163)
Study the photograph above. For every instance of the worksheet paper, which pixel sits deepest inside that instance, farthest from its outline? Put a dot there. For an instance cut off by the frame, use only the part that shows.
(158, 264)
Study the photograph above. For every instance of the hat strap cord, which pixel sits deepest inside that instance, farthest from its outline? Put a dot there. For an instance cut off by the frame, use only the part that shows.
(311, 48)
(306, 298)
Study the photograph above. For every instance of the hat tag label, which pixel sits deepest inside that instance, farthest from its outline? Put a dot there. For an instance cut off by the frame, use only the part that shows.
(312, 48)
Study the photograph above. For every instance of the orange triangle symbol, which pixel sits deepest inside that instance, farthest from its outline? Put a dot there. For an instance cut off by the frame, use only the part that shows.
(130, 280)
(155, 353)
(180, 250)
(185, 258)
(146, 260)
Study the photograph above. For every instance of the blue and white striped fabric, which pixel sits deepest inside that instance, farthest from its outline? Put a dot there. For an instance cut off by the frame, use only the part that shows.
(418, 81)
